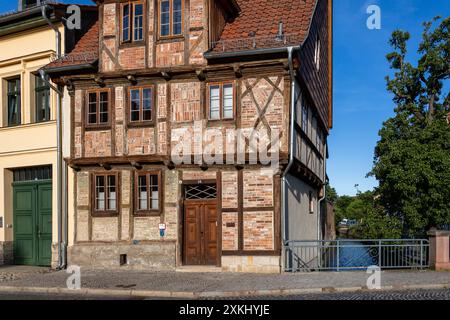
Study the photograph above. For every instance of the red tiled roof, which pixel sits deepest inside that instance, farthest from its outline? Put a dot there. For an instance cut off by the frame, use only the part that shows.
(85, 52)
(262, 17)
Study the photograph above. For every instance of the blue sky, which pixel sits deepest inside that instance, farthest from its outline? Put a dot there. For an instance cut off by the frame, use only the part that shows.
(9, 5)
(361, 102)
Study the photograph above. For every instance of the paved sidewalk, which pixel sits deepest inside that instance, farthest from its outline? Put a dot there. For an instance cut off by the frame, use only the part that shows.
(195, 285)
(8, 273)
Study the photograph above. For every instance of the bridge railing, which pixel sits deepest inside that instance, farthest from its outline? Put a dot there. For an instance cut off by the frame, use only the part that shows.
(344, 254)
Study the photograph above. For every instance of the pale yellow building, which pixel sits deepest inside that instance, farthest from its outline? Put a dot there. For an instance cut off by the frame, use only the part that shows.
(32, 211)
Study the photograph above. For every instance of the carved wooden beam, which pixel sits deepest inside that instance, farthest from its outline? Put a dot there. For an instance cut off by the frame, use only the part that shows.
(132, 79)
(105, 166)
(75, 167)
(166, 75)
(200, 74)
(69, 84)
(237, 71)
(136, 165)
(204, 166)
(169, 164)
(99, 80)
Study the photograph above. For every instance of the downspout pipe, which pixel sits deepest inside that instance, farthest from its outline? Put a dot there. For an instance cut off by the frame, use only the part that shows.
(284, 208)
(62, 234)
(44, 9)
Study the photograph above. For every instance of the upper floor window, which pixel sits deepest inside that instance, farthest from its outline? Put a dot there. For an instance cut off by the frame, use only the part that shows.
(170, 18)
(105, 193)
(221, 101)
(132, 22)
(42, 99)
(141, 105)
(97, 108)
(14, 105)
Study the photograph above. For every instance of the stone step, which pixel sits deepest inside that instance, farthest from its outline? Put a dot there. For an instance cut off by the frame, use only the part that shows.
(199, 269)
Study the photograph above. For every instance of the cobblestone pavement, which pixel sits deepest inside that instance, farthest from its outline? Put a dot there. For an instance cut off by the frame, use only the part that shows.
(11, 273)
(443, 294)
(204, 282)
(8, 276)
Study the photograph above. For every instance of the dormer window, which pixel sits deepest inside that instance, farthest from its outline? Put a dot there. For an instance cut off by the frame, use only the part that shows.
(132, 22)
(170, 18)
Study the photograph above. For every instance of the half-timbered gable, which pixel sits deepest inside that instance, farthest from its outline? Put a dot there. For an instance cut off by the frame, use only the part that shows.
(143, 34)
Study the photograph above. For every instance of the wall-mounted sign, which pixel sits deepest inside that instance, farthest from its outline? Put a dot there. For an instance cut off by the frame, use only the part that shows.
(162, 229)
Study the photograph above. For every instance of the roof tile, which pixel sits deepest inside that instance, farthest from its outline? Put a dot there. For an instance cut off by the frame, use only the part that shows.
(85, 52)
(262, 17)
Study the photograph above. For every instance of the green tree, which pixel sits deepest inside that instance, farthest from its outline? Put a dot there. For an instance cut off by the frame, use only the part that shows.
(331, 194)
(352, 207)
(412, 157)
(373, 220)
(340, 208)
(376, 224)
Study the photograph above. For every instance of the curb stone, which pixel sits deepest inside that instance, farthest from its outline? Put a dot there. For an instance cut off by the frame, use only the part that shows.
(213, 294)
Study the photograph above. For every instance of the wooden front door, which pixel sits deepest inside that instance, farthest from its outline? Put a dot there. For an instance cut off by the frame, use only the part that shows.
(200, 232)
(32, 223)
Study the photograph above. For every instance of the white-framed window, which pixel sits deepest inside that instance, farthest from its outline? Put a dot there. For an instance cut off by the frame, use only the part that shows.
(148, 192)
(221, 101)
(105, 194)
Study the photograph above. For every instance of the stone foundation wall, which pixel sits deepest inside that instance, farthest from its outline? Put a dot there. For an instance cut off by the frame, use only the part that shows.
(158, 255)
(6, 252)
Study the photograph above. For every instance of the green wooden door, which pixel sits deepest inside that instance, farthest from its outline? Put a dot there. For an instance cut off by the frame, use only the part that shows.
(32, 223)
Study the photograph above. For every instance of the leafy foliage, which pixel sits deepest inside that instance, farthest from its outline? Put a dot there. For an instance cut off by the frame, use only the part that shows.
(373, 221)
(378, 225)
(412, 157)
(331, 194)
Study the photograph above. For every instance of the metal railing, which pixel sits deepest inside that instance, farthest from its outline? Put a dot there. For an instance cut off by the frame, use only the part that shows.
(346, 255)
(88, 56)
(256, 42)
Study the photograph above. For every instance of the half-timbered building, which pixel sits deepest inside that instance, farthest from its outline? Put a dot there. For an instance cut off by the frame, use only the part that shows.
(168, 100)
